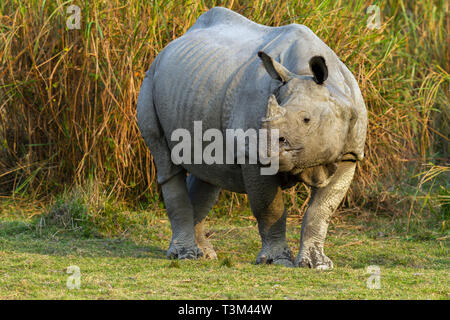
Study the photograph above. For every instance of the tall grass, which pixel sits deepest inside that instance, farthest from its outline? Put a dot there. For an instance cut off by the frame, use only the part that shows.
(68, 97)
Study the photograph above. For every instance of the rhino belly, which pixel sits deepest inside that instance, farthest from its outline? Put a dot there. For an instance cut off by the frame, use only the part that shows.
(228, 177)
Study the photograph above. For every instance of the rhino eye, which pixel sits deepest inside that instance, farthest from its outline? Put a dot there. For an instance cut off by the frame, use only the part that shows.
(306, 120)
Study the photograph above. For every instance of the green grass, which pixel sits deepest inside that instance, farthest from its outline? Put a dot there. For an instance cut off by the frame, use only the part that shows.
(33, 262)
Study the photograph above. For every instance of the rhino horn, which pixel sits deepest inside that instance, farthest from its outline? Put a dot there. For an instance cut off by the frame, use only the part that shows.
(274, 110)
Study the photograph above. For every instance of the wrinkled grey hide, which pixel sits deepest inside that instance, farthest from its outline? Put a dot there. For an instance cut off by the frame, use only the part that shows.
(232, 73)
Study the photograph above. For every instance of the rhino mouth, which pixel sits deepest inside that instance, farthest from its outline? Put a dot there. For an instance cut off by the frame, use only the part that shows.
(287, 158)
(351, 156)
(289, 149)
(294, 159)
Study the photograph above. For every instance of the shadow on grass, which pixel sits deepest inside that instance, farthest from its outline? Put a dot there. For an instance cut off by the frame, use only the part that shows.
(23, 237)
(240, 242)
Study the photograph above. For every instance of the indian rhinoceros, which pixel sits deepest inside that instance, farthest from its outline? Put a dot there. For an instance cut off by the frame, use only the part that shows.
(232, 73)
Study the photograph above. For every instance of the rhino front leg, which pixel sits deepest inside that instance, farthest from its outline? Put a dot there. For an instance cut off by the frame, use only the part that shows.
(322, 205)
(266, 201)
(203, 196)
(181, 216)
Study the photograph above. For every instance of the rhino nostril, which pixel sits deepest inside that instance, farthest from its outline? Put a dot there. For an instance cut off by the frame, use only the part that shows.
(306, 120)
(282, 140)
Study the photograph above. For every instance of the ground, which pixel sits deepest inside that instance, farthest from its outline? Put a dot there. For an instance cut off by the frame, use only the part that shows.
(34, 261)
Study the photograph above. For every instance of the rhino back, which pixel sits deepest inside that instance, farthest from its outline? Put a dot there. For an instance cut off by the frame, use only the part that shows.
(212, 73)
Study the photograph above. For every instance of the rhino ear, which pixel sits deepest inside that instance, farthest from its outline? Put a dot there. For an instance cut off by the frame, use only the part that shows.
(276, 70)
(274, 110)
(319, 69)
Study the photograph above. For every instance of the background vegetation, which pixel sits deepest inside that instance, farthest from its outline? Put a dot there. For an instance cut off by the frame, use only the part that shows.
(68, 97)
(78, 185)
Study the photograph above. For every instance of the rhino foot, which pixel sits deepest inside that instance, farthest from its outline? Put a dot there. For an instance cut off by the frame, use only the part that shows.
(203, 243)
(314, 258)
(275, 255)
(180, 252)
(208, 251)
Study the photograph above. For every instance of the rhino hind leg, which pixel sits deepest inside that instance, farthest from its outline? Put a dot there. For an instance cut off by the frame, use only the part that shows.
(323, 203)
(181, 216)
(203, 196)
(266, 201)
(171, 177)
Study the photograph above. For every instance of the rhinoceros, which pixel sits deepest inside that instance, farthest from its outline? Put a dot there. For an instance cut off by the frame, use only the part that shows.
(232, 73)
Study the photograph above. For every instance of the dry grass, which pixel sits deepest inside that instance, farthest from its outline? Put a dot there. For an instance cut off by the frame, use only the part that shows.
(68, 97)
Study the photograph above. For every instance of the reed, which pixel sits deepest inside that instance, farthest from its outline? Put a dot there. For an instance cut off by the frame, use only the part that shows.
(68, 97)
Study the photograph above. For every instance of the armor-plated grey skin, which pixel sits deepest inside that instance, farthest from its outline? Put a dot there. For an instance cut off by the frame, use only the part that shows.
(231, 73)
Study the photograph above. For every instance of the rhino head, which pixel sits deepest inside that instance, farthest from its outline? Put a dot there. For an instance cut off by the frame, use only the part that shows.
(313, 119)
